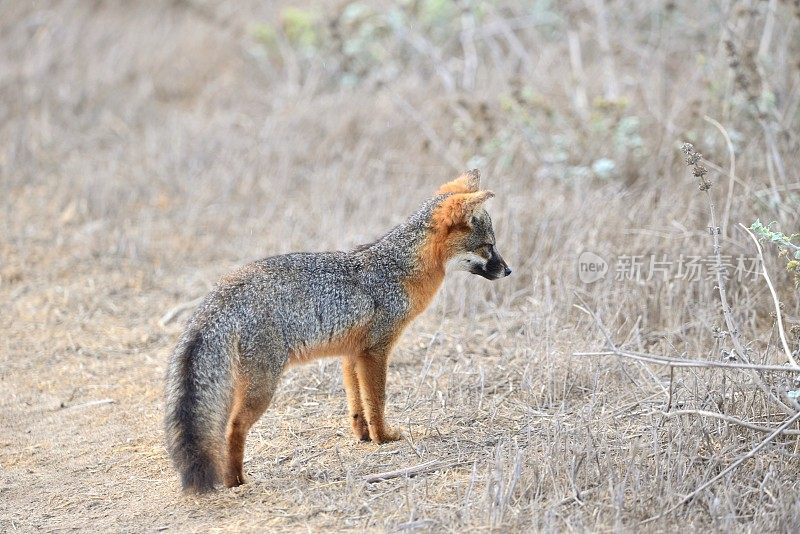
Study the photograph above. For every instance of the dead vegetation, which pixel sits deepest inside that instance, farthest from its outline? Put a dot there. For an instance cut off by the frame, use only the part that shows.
(147, 148)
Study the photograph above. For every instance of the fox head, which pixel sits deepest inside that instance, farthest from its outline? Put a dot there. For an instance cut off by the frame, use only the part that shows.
(465, 228)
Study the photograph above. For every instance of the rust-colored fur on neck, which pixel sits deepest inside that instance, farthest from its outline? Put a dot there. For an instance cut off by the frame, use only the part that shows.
(449, 224)
(433, 255)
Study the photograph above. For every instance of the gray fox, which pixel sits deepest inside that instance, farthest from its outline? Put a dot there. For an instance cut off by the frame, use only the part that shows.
(290, 309)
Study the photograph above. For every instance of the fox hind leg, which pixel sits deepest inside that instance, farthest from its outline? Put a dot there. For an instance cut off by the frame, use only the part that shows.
(249, 404)
(355, 408)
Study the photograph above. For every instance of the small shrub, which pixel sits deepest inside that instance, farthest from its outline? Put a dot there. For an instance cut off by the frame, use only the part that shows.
(786, 247)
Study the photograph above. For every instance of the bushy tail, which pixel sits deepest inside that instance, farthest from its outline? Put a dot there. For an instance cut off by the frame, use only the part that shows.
(198, 393)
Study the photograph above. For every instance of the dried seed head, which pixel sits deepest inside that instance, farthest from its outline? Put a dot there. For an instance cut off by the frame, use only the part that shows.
(699, 171)
(693, 159)
(795, 331)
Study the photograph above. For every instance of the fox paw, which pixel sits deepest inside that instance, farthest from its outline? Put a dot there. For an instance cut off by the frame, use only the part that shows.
(387, 435)
(360, 428)
(234, 480)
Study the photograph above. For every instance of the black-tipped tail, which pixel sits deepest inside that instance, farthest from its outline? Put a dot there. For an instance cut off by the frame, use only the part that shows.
(200, 474)
(194, 413)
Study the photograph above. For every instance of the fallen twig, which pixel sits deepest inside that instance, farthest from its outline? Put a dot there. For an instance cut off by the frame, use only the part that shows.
(432, 465)
(577, 496)
(88, 404)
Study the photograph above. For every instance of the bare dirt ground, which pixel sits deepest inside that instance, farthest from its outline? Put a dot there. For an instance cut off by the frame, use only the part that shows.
(148, 148)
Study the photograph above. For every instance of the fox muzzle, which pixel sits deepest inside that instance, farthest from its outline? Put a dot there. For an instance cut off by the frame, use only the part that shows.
(494, 268)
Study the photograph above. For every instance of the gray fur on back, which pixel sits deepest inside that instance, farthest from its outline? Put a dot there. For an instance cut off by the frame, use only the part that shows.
(282, 304)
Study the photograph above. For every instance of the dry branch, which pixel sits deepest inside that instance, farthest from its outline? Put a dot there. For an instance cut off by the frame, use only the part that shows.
(789, 422)
(727, 312)
(789, 405)
(731, 174)
(728, 419)
(89, 404)
(775, 300)
(432, 465)
(682, 362)
(676, 362)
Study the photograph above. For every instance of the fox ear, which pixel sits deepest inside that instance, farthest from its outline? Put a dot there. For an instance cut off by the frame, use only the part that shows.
(459, 208)
(468, 182)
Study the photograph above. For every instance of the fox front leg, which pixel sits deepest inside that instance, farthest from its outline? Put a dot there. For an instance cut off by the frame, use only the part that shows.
(357, 419)
(371, 372)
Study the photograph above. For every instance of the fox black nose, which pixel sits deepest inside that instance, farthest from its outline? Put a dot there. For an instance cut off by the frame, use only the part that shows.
(508, 271)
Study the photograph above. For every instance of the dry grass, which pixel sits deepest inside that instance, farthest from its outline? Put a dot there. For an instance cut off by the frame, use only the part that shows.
(146, 149)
